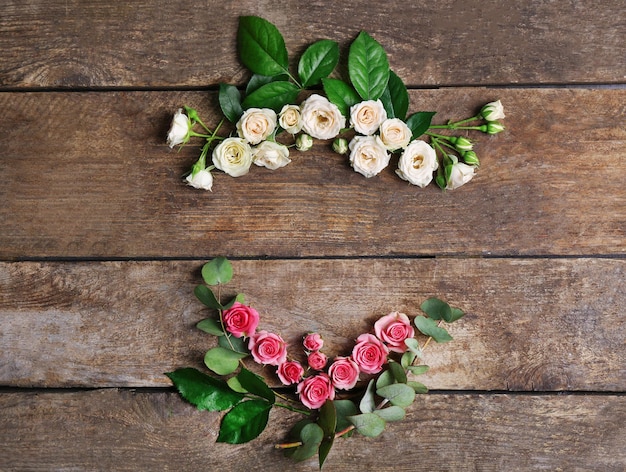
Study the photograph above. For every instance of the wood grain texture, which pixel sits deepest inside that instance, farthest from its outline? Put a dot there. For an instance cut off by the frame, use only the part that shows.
(89, 175)
(538, 324)
(453, 42)
(122, 430)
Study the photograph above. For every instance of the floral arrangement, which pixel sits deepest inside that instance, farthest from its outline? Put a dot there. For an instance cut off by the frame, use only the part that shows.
(365, 115)
(360, 392)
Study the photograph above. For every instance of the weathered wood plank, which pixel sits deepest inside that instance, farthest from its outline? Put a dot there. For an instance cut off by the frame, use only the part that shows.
(536, 324)
(89, 175)
(456, 42)
(112, 429)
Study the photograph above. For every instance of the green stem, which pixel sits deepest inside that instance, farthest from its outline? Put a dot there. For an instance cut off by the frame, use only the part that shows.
(454, 127)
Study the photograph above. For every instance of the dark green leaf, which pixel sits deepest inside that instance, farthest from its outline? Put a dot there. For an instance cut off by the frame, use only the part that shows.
(261, 47)
(273, 95)
(222, 361)
(206, 296)
(204, 391)
(234, 344)
(244, 422)
(419, 122)
(368, 424)
(217, 271)
(257, 81)
(341, 94)
(407, 359)
(230, 102)
(211, 326)
(368, 67)
(456, 314)
(429, 327)
(311, 436)
(385, 378)
(368, 402)
(398, 394)
(239, 298)
(398, 372)
(418, 387)
(395, 98)
(317, 62)
(328, 422)
(437, 309)
(391, 413)
(255, 385)
(344, 408)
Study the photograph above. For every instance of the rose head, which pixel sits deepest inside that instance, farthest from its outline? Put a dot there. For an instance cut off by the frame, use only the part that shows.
(344, 373)
(460, 174)
(256, 124)
(368, 155)
(313, 342)
(395, 134)
(317, 360)
(417, 163)
(290, 372)
(369, 353)
(367, 116)
(240, 320)
(268, 348)
(179, 129)
(271, 155)
(393, 329)
(315, 390)
(290, 119)
(233, 156)
(321, 118)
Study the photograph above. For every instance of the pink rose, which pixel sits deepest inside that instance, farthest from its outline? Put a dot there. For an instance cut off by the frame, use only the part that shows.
(268, 348)
(344, 373)
(313, 342)
(315, 390)
(290, 372)
(393, 329)
(240, 320)
(369, 354)
(317, 360)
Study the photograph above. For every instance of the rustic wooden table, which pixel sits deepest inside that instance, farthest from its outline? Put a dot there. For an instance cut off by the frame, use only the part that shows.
(101, 241)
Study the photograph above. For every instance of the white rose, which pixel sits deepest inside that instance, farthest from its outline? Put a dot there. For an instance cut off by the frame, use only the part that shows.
(368, 155)
(256, 124)
(417, 163)
(179, 129)
(493, 111)
(395, 134)
(460, 174)
(290, 119)
(233, 156)
(321, 118)
(202, 180)
(366, 117)
(271, 155)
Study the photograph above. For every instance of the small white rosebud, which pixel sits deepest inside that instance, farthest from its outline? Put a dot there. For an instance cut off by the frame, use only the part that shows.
(340, 145)
(459, 174)
(493, 111)
(179, 129)
(461, 144)
(304, 142)
(470, 157)
(493, 127)
(201, 179)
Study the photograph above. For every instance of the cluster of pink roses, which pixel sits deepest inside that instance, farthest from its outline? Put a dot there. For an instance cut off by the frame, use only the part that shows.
(368, 355)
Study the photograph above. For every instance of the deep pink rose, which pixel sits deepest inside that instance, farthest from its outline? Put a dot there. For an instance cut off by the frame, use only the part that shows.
(290, 372)
(268, 348)
(369, 353)
(240, 320)
(315, 390)
(317, 360)
(313, 342)
(344, 373)
(393, 329)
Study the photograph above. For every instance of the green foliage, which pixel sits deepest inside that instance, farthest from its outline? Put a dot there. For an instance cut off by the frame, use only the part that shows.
(222, 361)
(273, 95)
(204, 391)
(385, 378)
(310, 435)
(261, 47)
(317, 62)
(414, 347)
(257, 81)
(368, 402)
(391, 413)
(437, 309)
(217, 271)
(211, 326)
(232, 343)
(419, 122)
(398, 372)
(230, 102)
(368, 67)
(255, 385)
(343, 409)
(429, 327)
(398, 394)
(244, 422)
(418, 387)
(418, 369)
(341, 94)
(207, 297)
(395, 98)
(368, 424)
(328, 422)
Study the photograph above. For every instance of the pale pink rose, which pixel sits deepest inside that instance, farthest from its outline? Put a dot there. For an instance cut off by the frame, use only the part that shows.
(268, 348)
(240, 320)
(393, 329)
(290, 372)
(315, 390)
(317, 360)
(369, 353)
(313, 342)
(344, 373)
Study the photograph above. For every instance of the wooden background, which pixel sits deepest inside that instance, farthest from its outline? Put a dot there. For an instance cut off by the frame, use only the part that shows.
(101, 242)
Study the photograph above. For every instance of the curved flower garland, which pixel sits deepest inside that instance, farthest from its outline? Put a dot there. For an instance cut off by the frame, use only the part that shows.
(370, 108)
(323, 390)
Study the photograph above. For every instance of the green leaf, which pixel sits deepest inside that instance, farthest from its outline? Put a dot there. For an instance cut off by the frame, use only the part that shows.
(233, 383)
(368, 424)
(418, 369)
(255, 385)
(204, 391)
(257, 81)
(317, 62)
(418, 387)
(239, 298)
(230, 102)
(419, 122)
(206, 296)
(244, 422)
(222, 361)
(384, 379)
(328, 422)
(429, 327)
(398, 372)
(311, 436)
(261, 47)
(368, 67)
(407, 358)
(395, 98)
(232, 343)
(391, 413)
(414, 347)
(217, 271)
(211, 326)
(273, 95)
(437, 309)
(344, 408)
(457, 313)
(398, 394)
(341, 94)
(368, 402)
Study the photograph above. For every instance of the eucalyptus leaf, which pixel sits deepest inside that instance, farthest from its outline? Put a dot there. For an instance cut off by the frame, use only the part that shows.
(341, 94)
(391, 413)
(368, 67)
(413, 346)
(398, 394)
(344, 408)
(204, 391)
(418, 387)
(261, 47)
(230, 102)
(232, 343)
(328, 422)
(207, 297)
(368, 424)
(317, 62)
(244, 422)
(457, 313)
(437, 309)
(398, 372)
(395, 98)
(368, 403)
(234, 384)
(255, 385)
(384, 379)
(418, 369)
(311, 436)
(407, 359)
(217, 271)
(273, 95)
(211, 326)
(429, 327)
(222, 361)
(419, 122)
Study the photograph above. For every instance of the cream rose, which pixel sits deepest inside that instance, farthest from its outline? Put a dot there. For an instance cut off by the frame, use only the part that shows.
(395, 134)
(256, 124)
(493, 111)
(290, 119)
(320, 118)
(459, 175)
(201, 179)
(271, 155)
(417, 163)
(368, 155)
(366, 117)
(179, 129)
(233, 156)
